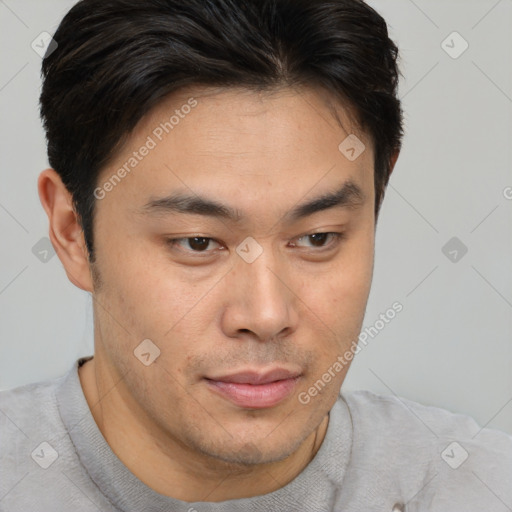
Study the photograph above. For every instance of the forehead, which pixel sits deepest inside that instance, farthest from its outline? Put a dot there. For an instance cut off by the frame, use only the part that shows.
(210, 140)
(284, 111)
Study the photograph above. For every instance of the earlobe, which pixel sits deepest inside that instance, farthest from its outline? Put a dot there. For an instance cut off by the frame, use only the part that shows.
(65, 231)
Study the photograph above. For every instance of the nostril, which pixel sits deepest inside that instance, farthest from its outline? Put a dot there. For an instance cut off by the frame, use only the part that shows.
(398, 507)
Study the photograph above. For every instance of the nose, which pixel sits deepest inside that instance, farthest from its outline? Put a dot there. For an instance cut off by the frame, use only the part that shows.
(261, 299)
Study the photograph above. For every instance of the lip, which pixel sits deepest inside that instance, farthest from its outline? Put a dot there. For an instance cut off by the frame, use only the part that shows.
(255, 377)
(255, 390)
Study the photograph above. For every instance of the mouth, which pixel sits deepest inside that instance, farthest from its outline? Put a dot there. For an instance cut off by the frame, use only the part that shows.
(255, 390)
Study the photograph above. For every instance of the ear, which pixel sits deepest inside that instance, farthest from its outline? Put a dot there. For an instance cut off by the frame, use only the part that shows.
(65, 231)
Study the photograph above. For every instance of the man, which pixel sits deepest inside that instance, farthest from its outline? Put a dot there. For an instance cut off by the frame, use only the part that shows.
(217, 169)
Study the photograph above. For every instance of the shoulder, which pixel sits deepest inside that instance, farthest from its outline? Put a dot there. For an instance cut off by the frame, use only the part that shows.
(31, 430)
(447, 455)
(29, 405)
(394, 413)
(41, 469)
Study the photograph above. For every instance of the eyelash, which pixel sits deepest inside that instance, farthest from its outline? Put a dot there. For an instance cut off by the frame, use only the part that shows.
(335, 236)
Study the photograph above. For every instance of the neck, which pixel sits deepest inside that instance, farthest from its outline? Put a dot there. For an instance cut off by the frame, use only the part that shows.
(166, 464)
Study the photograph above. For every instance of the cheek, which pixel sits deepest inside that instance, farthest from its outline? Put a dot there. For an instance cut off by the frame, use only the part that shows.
(350, 286)
(342, 293)
(143, 281)
(349, 280)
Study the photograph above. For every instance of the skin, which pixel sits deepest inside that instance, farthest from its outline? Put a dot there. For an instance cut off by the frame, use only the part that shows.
(300, 304)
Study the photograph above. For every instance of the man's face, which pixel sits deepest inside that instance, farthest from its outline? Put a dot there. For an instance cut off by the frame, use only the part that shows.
(252, 293)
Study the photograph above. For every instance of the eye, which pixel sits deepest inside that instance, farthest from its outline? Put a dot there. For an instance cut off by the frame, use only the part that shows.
(202, 245)
(194, 244)
(318, 240)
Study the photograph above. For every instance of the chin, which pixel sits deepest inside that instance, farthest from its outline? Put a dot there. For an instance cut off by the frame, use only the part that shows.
(246, 454)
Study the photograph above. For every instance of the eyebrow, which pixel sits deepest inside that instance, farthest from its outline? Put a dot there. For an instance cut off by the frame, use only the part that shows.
(349, 195)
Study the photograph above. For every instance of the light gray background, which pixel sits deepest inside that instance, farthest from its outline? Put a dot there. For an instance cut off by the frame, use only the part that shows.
(451, 345)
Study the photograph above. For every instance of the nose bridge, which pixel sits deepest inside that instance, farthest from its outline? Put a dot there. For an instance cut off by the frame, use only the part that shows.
(267, 305)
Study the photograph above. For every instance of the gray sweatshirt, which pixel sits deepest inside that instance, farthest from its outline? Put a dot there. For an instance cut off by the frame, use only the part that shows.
(379, 454)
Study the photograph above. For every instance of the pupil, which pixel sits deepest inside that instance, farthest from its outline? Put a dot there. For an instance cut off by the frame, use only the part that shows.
(318, 237)
(198, 246)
